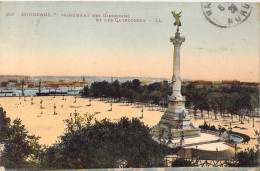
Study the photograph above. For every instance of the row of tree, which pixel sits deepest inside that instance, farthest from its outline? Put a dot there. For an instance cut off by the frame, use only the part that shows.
(220, 99)
(130, 90)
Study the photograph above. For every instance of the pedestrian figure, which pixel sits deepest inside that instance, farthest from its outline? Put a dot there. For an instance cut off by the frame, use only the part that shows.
(256, 132)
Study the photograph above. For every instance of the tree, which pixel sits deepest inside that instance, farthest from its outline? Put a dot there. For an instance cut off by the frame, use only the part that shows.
(248, 158)
(253, 102)
(101, 144)
(85, 92)
(95, 89)
(136, 83)
(21, 150)
(4, 125)
(214, 97)
(116, 93)
(197, 97)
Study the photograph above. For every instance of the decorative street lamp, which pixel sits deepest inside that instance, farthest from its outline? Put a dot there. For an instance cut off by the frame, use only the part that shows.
(253, 122)
(40, 87)
(182, 135)
(170, 136)
(235, 150)
(54, 93)
(217, 153)
(230, 130)
(41, 103)
(22, 88)
(182, 139)
(110, 107)
(197, 155)
(75, 99)
(142, 110)
(54, 109)
(219, 129)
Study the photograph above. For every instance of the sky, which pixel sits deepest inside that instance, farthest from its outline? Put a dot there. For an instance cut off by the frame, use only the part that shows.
(81, 46)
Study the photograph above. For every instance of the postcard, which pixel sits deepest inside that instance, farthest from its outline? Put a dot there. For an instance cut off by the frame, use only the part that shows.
(99, 85)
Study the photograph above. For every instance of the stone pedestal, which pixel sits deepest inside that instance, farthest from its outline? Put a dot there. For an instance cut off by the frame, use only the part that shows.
(182, 143)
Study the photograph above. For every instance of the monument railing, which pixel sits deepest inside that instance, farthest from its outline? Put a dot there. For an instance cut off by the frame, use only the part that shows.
(174, 145)
(202, 162)
(209, 131)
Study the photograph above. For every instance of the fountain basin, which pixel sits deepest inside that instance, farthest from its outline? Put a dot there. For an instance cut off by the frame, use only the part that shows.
(235, 138)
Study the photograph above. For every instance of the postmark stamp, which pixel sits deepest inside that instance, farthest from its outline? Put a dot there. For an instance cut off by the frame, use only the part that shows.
(226, 14)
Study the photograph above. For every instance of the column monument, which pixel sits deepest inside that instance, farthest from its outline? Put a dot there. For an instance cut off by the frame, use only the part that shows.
(175, 120)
